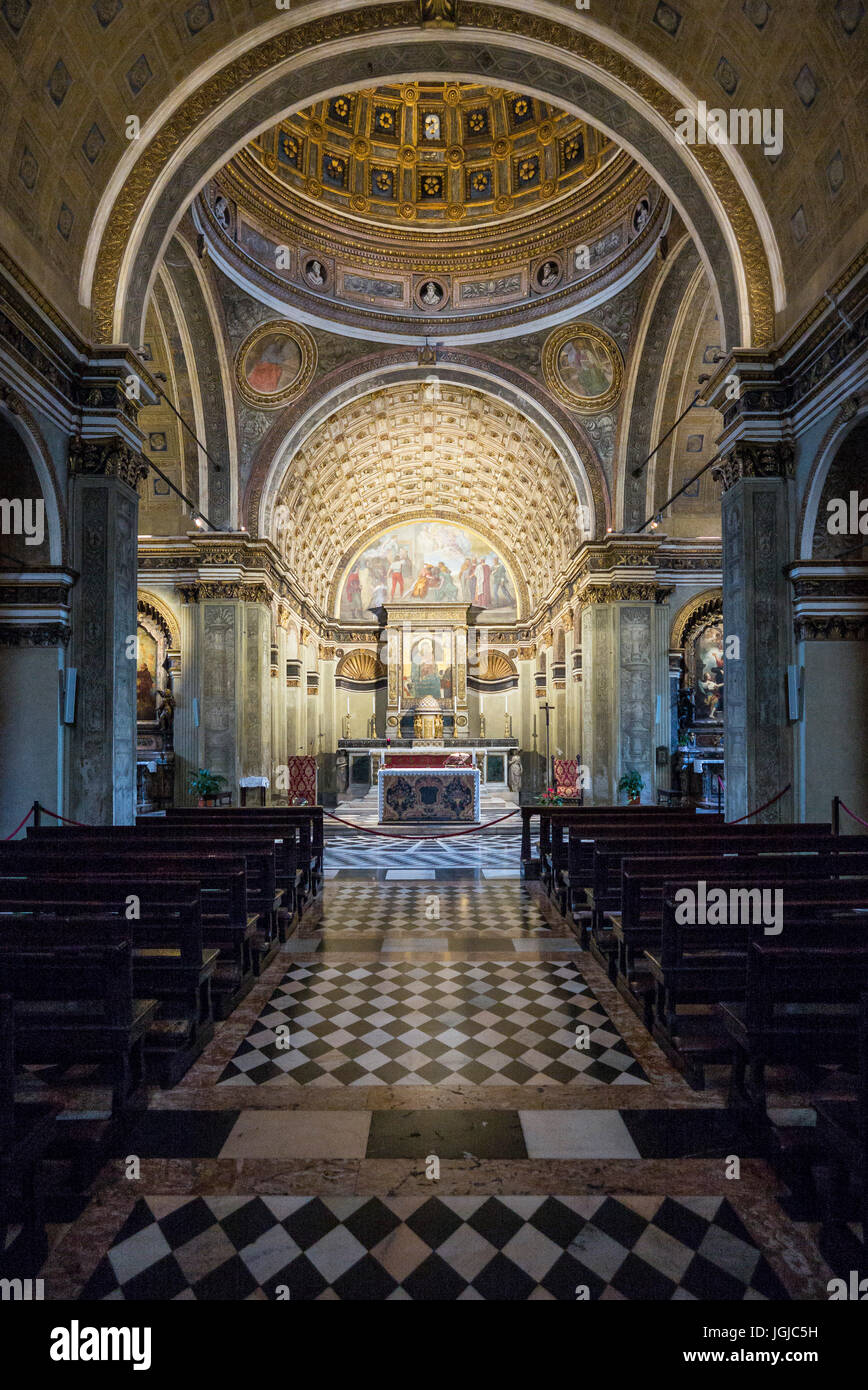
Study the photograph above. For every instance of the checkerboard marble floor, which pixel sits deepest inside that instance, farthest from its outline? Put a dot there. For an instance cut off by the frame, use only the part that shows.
(464, 1023)
(436, 1248)
(363, 908)
(443, 1019)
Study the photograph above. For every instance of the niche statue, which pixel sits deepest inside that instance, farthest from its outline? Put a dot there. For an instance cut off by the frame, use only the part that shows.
(514, 775)
(342, 770)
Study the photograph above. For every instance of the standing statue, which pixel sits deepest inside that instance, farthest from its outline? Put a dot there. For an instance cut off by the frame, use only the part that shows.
(514, 775)
(342, 770)
(166, 715)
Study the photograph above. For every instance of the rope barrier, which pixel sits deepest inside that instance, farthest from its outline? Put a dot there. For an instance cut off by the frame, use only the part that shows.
(448, 835)
(852, 814)
(81, 824)
(764, 807)
(20, 825)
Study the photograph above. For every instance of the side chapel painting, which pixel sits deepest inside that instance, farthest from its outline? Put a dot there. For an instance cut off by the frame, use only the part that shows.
(428, 562)
(146, 677)
(708, 665)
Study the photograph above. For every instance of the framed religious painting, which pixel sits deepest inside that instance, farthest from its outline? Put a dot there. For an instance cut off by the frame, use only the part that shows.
(275, 364)
(583, 367)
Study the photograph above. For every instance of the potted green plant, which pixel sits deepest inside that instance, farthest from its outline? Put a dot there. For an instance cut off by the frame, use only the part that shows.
(683, 740)
(206, 785)
(632, 784)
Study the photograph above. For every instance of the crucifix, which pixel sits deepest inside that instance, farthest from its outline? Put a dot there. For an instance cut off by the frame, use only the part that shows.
(548, 709)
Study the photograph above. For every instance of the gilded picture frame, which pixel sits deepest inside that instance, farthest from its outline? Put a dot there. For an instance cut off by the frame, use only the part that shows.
(582, 366)
(275, 364)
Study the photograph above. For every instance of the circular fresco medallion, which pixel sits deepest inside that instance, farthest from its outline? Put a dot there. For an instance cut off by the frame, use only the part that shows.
(275, 364)
(583, 367)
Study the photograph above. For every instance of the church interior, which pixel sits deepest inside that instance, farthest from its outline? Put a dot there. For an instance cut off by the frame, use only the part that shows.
(433, 665)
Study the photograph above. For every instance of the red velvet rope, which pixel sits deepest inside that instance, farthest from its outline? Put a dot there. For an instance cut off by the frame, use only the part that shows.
(20, 825)
(764, 807)
(852, 814)
(81, 825)
(448, 835)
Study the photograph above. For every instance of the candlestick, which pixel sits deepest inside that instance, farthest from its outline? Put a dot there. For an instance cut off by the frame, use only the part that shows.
(348, 704)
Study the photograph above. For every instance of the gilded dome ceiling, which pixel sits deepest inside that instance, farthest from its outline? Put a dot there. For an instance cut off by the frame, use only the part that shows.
(432, 202)
(437, 153)
(426, 450)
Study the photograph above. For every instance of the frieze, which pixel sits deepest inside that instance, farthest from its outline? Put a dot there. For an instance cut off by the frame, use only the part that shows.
(26, 595)
(36, 635)
(624, 593)
(107, 458)
(755, 461)
(831, 629)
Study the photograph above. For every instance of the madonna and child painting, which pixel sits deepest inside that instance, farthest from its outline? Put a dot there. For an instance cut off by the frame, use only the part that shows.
(428, 562)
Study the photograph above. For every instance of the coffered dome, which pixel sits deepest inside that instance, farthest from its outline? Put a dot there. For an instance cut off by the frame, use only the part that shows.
(439, 153)
(434, 201)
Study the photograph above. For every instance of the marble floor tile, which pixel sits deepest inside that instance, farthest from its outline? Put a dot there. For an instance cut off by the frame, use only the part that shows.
(298, 1134)
(576, 1134)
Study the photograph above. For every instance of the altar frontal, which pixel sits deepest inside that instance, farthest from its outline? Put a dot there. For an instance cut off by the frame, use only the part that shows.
(431, 795)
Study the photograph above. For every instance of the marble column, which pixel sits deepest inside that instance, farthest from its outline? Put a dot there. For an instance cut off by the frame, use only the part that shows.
(104, 508)
(186, 689)
(756, 610)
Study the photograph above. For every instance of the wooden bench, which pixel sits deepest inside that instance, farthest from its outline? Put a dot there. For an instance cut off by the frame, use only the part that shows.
(801, 1007)
(697, 966)
(842, 1134)
(75, 1004)
(554, 819)
(308, 820)
(256, 852)
(637, 926)
(170, 962)
(220, 883)
(26, 1131)
(567, 867)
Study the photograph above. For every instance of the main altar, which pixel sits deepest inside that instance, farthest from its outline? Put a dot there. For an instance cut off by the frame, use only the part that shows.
(428, 769)
(428, 795)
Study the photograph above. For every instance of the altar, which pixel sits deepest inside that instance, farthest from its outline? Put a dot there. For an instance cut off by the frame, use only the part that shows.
(428, 795)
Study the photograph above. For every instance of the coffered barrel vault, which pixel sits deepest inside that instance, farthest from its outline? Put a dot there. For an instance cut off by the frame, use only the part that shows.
(424, 450)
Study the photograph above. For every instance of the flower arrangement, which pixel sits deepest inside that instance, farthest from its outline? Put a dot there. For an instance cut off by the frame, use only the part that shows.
(550, 797)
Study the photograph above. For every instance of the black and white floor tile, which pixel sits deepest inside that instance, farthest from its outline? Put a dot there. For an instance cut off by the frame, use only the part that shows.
(460, 1023)
(451, 1248)
(428, 908)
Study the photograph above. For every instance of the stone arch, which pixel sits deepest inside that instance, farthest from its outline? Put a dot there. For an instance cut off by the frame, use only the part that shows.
(852, 415)
(161, 613)
(696, 612)
(605, 82)
(18, 417)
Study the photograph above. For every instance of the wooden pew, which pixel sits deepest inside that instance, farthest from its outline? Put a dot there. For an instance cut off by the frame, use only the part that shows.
(842, 1133)
(26, 1131)
(170, 962)
(307, 819)
(801, 1007)
(75, 1004)
(553, 820)
(221, 885)
(292, 857)
(700, 965)
(637, 924)
(567, 867)
(256, 853)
